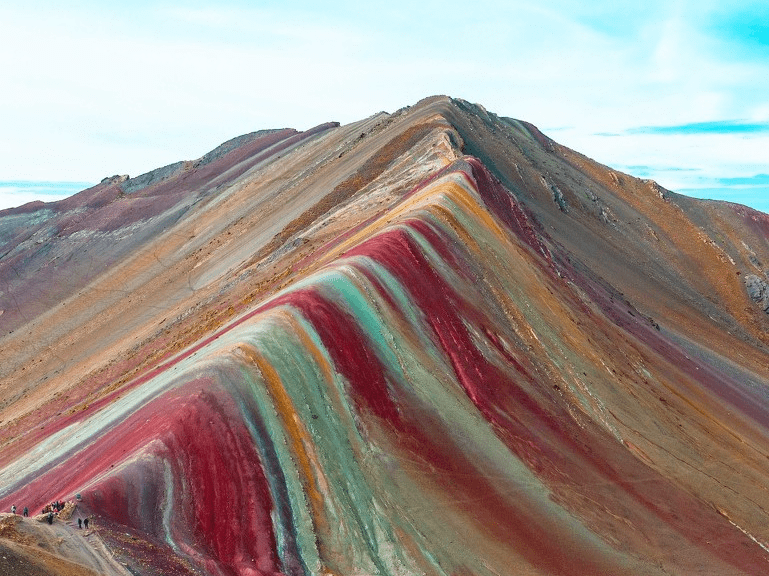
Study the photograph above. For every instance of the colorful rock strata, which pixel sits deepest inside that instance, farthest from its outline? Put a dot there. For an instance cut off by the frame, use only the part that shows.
(442, 384)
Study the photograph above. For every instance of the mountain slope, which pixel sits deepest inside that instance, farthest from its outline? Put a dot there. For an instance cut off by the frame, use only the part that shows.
(430, 342)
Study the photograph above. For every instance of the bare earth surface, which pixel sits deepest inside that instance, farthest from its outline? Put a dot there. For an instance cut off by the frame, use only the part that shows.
(428, 342)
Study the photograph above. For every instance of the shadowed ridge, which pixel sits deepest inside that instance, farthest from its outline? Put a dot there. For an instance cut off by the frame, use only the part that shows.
(648, 240)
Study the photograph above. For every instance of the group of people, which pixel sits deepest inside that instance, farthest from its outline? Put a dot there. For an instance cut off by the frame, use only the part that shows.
(24, 513)
(54, 507)
(50, 510)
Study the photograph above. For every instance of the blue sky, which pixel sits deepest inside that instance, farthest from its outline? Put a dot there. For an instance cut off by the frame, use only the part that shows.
(677, 91)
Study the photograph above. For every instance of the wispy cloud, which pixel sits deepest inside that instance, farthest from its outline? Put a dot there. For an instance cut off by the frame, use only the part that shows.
(43, 187)
(755, 197)
(700, 128)
(745, 26)
(649, 171)
(756, 180)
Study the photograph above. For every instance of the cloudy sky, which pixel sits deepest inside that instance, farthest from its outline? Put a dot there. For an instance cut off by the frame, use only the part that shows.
(672, 90)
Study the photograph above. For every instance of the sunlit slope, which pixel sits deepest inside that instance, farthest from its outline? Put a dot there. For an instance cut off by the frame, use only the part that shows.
(433, 372)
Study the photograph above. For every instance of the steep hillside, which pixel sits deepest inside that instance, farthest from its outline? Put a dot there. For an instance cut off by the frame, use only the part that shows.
(429, 342)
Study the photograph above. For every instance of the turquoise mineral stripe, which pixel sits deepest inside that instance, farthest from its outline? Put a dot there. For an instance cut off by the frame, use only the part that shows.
(241, 377)
(461, 420)
(345, 288)
(286, 355)
(168, 482)
(361, 303)
(301, 515)
(398, 293)
(351, 494)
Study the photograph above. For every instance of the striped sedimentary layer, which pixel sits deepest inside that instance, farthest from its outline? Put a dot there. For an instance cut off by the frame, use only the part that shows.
(50, 251)
(446, 394)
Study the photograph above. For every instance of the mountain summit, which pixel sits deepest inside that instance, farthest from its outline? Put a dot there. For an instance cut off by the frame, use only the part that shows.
(428, 342)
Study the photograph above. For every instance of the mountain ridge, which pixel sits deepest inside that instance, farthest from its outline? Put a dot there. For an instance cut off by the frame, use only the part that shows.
(426, 327)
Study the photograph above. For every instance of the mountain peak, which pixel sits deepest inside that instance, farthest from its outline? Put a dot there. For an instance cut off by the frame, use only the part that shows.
(432, 341)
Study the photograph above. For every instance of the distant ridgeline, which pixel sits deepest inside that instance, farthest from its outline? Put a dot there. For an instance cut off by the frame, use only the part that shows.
(18, 192)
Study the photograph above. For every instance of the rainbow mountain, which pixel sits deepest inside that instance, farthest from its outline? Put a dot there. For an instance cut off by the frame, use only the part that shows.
(429, 342)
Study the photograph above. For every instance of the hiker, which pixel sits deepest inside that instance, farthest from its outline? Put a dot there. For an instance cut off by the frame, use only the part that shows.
(79, 523)
(26, 511)
(13, 509)
(50, 517)
(86, 523)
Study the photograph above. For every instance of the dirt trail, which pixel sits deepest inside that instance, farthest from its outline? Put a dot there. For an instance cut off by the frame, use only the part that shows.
(32, 547)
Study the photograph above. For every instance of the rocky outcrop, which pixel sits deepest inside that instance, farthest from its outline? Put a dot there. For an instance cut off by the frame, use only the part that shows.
(152, 177)
(116, 179)
(758, 290)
